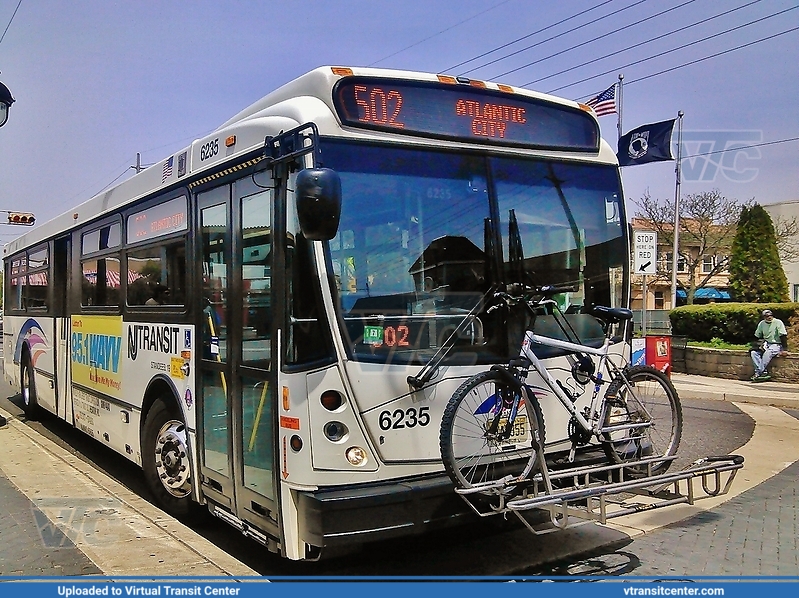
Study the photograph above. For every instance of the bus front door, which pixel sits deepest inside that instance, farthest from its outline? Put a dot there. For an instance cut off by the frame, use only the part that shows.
(236, 430)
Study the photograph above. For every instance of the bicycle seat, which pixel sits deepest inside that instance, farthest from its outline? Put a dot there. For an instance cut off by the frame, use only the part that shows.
(611, 315)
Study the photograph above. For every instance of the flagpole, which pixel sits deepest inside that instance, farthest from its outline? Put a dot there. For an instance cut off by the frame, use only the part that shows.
(620, 94)
(675, 251)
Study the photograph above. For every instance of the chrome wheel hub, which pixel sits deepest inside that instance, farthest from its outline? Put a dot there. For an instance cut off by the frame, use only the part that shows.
(26, 386)
(172, 459)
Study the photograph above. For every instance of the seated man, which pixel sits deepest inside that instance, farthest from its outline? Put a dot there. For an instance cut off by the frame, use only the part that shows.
(771, 331)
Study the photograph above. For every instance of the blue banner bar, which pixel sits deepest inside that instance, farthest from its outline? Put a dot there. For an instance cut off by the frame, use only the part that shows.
(611, 587)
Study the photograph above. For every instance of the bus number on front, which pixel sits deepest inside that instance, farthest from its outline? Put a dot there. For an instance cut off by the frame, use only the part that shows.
(404, 418)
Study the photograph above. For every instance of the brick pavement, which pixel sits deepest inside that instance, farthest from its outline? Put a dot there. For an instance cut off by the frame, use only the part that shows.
(754, 534)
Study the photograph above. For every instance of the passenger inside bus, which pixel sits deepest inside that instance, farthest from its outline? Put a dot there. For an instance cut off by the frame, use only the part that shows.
(159, 296)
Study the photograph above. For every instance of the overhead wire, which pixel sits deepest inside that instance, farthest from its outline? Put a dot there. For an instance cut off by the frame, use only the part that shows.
(681, 47)
(440, 32)
(498, 48)
(2, 37)
(543, 41)
(740, 147)
(592, 40)
(643, 43)
(752, 43)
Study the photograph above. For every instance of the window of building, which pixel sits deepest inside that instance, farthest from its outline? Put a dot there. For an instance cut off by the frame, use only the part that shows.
(682, 267)
(660, 302)
(708, 263)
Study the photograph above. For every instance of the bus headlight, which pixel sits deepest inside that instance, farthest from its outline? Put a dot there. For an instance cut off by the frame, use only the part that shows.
(356, 456)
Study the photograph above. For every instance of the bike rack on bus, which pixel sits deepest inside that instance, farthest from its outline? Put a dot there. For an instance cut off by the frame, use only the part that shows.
(586, 493)
(290, 145)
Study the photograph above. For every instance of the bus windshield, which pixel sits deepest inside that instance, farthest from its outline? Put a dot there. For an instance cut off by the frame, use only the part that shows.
(425, 235)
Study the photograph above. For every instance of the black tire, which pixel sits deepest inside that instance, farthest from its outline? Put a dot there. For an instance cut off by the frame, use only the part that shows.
(165, 460)
(27, 382)
(655, 392)
(469, 453)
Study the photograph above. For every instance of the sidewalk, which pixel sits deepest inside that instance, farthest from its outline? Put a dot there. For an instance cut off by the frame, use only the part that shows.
(64, 517)
(776, 394)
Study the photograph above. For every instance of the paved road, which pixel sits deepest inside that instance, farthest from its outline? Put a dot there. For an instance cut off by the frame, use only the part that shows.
(753, 534)
(114, 531)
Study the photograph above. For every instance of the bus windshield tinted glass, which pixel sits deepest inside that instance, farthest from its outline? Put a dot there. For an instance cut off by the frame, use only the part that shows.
(417, 250)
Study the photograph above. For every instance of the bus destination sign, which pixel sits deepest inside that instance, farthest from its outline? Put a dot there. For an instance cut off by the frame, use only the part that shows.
(463, 112)
(157, 221)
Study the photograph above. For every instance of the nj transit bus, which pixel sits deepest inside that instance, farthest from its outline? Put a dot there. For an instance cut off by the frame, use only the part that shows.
(270, 321)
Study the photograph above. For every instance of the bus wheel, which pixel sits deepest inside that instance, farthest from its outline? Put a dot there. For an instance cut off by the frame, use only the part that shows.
(28, 386)
(165, 459)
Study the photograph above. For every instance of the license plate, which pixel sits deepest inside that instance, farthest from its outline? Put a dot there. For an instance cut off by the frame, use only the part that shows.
(518, 433)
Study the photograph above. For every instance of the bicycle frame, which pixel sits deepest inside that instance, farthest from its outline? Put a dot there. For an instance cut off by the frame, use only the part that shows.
(530, 338)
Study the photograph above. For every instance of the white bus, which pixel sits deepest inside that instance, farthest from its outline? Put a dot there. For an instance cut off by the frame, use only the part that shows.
(270, 321)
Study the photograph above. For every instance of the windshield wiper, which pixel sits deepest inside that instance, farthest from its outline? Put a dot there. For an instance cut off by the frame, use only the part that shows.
(431, 367)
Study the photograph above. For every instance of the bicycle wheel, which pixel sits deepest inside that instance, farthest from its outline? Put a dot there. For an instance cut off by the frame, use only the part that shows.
(476, 445)
(653, 394)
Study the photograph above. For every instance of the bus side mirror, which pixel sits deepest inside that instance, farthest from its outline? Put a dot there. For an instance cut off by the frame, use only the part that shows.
(318, 195)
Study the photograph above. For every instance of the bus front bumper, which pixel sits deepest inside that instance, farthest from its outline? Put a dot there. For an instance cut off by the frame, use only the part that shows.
(354, 514)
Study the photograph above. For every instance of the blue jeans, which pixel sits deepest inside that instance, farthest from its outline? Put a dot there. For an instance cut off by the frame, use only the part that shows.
(761, 361)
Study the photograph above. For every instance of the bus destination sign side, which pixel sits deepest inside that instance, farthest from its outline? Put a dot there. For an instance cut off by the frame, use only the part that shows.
(645, 252)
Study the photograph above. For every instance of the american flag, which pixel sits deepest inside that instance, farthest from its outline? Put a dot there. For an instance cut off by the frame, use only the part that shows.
(167, 169)
(604, 103)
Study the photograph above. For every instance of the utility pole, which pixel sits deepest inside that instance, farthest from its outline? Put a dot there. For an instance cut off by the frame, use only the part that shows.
(675, 253)
(138, 167)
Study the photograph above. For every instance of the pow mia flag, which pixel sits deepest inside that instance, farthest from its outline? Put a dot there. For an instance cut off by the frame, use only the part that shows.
(647, 143)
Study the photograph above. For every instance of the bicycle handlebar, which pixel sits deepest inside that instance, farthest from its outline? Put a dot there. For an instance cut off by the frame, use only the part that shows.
(519, 292)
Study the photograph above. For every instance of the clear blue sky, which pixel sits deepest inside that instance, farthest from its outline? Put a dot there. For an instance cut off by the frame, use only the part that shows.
(97, 81)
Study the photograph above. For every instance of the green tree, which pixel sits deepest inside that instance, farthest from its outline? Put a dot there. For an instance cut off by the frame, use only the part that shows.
(756, 274)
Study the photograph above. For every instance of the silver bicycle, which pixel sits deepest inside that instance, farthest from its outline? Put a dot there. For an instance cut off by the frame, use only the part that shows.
(493, 432)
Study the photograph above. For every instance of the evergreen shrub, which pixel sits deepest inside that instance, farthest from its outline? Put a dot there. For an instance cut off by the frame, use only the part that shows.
(732, 322)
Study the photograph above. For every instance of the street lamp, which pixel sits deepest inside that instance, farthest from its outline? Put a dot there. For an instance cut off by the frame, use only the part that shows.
(6, 99)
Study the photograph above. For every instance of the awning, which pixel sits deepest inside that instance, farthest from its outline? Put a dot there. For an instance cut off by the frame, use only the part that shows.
(705, 293)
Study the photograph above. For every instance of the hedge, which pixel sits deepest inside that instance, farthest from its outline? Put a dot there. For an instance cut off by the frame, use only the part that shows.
(732, 322)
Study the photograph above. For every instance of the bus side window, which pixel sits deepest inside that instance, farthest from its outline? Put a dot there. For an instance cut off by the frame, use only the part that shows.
(157, 275)
(101, 282)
